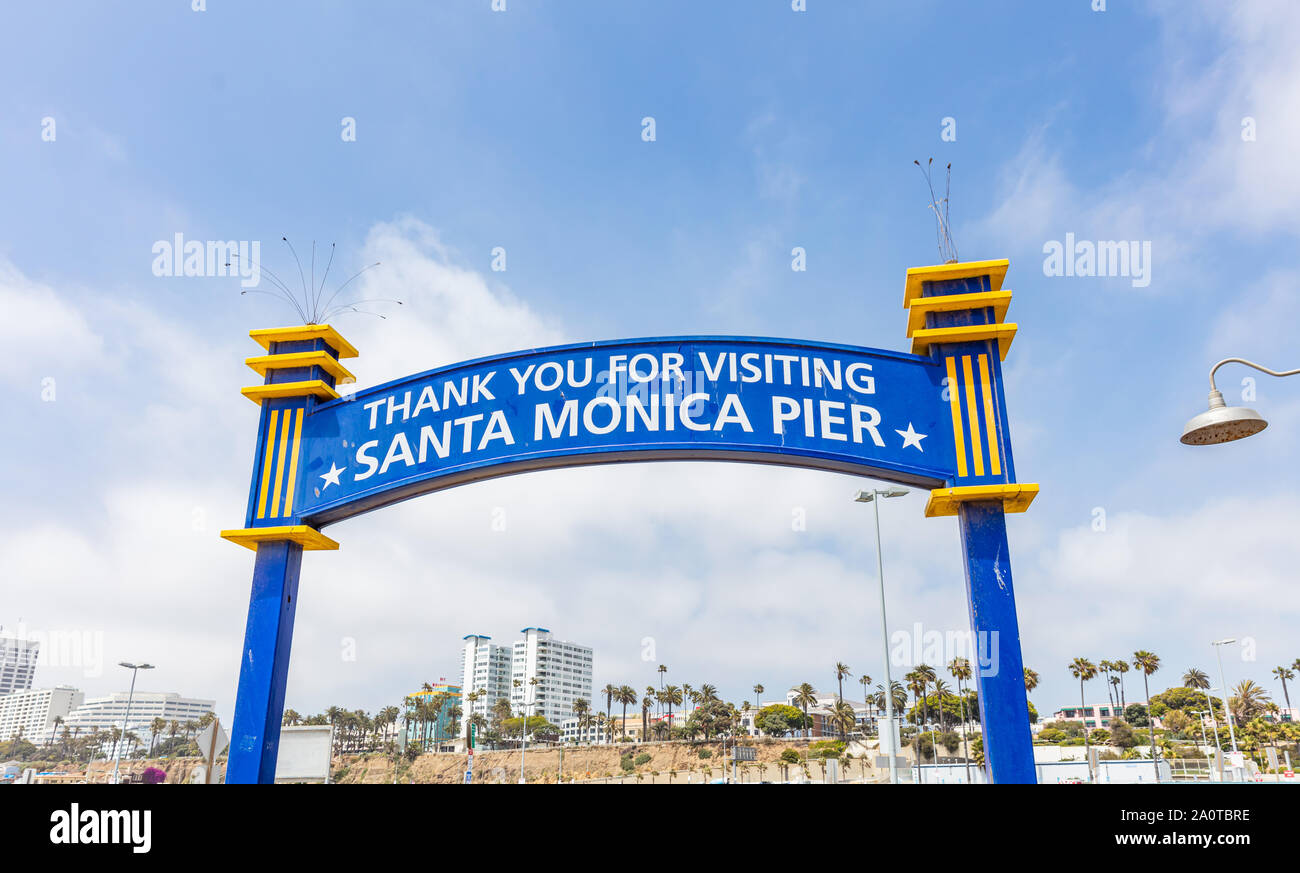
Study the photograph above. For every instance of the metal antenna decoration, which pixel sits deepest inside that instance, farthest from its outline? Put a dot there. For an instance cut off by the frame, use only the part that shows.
(308, 306)
(943, 227)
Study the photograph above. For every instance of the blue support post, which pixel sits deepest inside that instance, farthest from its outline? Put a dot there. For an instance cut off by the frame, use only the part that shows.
(1003, 702)
(999, 671)
(264, 666)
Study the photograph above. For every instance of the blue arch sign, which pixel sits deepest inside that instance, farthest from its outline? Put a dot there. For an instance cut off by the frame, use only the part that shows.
(934, 418)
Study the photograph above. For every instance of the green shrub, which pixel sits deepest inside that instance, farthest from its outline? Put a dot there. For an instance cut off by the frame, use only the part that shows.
(705, 753)
(790, 756)
(643, 758)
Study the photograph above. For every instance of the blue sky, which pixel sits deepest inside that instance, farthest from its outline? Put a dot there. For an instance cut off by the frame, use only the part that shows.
(522, 129)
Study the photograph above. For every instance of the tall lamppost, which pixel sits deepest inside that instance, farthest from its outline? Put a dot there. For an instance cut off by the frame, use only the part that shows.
(523, 729)
(1222, 423)
(117, 752)
(871, 497)
(1227, 710)
(1200, 716)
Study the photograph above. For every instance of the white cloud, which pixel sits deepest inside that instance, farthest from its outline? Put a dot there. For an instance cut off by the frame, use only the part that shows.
(1201, 178)
(1171, 584)
(36, 323)
(449, 313)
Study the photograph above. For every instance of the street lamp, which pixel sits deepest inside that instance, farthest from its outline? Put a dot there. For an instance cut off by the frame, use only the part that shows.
(523, 729)
(870, 497)
(117, 753)
(1200, 716)
(1227, 710)
(1222, 423)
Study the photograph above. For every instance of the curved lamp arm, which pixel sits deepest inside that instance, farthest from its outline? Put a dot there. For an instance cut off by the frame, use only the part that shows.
(1248, 364)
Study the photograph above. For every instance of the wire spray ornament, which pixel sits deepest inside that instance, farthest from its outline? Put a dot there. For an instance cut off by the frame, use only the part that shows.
(310, 308)
(943, 228)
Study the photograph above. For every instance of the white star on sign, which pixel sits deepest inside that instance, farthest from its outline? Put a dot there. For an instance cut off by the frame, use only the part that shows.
(332, 477)
(911, 437)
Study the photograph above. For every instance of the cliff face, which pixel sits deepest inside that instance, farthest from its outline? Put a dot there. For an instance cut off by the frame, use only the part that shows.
(676, 763)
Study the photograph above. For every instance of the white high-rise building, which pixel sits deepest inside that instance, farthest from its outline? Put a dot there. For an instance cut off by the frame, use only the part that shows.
(32, 712)
(17, 664)
(485, 668)
(562, 670)
(103, 713)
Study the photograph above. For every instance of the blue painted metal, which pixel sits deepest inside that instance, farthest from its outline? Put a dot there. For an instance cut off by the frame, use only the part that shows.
(1000, 678)
(447, 445)
(1003, 700)
(264, 667)
(377, 460)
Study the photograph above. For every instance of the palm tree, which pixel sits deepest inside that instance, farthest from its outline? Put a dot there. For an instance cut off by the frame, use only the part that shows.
(805, 696)
(1195, 678)
(708, 693)
(1083, 670)
(646, 703)
(1121, 667)
(1148, 663)
(626, 695)
(661, 671)
(898, 693)
(672, 695)
(1283, 674)
(865, 681)
(1247, 701)
(173, 728)
(58, 720)
(758, 696)
(844, 716)
(841, 671)
(582, 708)
(1104, 667)
(960, 670)
(609, 691)
(925, 676)
(1031, 680)
(156, 727)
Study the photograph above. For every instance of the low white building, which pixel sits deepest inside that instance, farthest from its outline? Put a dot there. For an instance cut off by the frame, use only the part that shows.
(590, 735)
(104, 713)
(32, 712)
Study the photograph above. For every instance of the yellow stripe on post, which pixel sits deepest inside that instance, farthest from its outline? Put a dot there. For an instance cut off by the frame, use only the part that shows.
(976, 447)
(293, 464)
(266, 464)
(954, 400)
(990, 422)
(279, 466)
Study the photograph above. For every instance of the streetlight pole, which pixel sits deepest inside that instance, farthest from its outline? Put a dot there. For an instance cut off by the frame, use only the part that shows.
(1227, 710)
(523, 729)
(117, 752)
(872, 497)
(1200, 716)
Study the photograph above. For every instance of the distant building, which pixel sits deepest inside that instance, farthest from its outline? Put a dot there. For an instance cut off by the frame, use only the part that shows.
(31, 713)
(439, 728)
(17, 664)
(485, 671)
(563, 671)
(104, 713)
(591, 734)
(1093, 715)
(820, 712)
